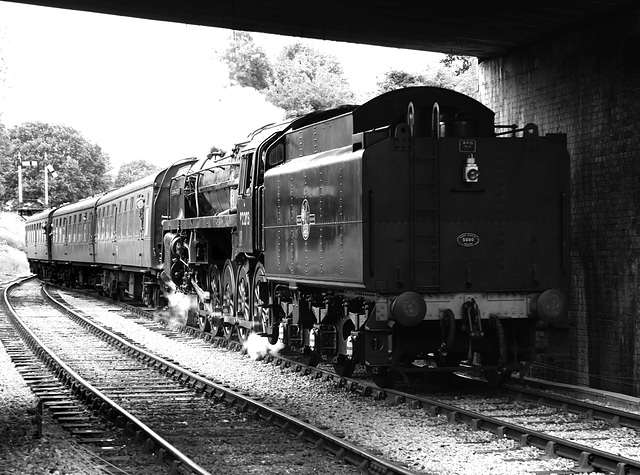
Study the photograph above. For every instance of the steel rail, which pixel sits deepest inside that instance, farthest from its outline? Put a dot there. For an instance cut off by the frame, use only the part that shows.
(343, 450)
(615, 417)
(588, 458)
(88, 392)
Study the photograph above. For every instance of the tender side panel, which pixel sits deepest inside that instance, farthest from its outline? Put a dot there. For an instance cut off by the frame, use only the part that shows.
(388, 214)
(313, 219)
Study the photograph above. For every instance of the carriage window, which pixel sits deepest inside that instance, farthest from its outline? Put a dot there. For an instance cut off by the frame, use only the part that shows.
(147, 216)
(104, 222)
(99, 223)
(132, 232)
(118, 220)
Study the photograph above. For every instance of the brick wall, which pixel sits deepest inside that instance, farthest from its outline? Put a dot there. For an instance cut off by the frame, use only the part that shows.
(586, 83)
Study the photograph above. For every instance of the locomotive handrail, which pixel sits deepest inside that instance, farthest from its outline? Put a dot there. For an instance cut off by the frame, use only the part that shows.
(514, 129)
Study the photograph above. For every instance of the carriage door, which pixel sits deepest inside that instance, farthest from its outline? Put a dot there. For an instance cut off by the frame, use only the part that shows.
(65, 237)
(115, 222)
(137, 228)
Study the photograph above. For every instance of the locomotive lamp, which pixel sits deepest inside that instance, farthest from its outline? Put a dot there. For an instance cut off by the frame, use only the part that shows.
(471, 170)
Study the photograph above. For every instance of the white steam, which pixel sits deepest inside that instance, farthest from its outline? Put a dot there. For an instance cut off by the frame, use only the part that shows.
(178, 306)
(257, 347)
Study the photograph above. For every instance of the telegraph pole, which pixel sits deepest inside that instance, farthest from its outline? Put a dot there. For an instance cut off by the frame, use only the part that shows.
(46, 181)
(19, 180)
(34, 163)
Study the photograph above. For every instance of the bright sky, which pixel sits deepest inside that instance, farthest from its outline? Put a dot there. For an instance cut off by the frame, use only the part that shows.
(145, 89)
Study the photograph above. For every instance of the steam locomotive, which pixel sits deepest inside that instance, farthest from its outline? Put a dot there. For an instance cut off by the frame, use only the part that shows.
(407, 234)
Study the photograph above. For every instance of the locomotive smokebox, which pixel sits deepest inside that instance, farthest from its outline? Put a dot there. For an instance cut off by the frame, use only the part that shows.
(409, 309)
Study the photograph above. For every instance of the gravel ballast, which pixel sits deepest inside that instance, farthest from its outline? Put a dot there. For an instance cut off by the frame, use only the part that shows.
(21, 451)
(425, 444)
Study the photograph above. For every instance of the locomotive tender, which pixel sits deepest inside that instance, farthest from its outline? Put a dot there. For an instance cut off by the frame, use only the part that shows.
(406, 234)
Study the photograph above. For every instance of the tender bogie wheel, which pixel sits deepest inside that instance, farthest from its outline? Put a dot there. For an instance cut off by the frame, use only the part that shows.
(243, 297)
(310, 358)
(345, 366)
(384, 378)
(215, 289)
(495, 378)
(228, 284)
(118, 294)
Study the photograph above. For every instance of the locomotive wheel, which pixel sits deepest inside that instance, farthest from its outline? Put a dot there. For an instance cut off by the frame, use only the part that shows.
(344, 366)
(202, 281)
(228, 284)
(260, 315)
(215, 290)
(243, 297)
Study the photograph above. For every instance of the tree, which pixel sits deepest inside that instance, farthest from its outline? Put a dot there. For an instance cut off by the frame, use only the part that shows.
(5, 159)
(465, 74)
(81, 166)
(460, 64)
(3, 67)
(396, 79)
(458, 73)
(132, 171)
(247, 62)
(306, 80)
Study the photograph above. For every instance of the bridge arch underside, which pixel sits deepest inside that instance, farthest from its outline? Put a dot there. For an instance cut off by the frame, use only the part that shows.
(586, 83)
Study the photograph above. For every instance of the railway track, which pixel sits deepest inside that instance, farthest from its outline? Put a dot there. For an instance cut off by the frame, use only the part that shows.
(189, 423)
(520, 429)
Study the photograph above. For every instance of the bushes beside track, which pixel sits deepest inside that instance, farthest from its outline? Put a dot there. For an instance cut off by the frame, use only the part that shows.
(13, 260)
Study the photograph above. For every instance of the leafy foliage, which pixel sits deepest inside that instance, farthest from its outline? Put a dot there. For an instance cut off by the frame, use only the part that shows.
(248, 63)
(132, 171)
(301, 80)
(396, 79)
(81, 166)
(306, 80)
(458, 73)
(5, 160)
(460, 64)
